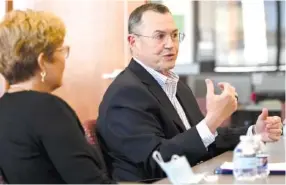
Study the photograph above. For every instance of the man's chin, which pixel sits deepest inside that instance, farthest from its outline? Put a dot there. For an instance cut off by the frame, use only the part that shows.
(166, 65)
(166, 69)
(171, 65)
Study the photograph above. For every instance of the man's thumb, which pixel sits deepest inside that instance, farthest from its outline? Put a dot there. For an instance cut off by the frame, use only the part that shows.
(210, 87)
(264, 114)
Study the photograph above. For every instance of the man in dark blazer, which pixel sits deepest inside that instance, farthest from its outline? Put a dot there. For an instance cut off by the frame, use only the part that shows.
(147, 108)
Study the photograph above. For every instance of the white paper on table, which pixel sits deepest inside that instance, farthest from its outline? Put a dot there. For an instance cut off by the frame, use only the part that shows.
(271, 166)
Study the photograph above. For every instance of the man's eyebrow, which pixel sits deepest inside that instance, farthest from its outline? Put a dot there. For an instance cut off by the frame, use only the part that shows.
(161, 31)
(176, 30)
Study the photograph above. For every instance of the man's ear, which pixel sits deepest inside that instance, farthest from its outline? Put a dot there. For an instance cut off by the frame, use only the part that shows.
(131, 40)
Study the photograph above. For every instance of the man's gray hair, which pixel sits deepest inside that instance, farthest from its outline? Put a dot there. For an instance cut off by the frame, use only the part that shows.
(136, 16)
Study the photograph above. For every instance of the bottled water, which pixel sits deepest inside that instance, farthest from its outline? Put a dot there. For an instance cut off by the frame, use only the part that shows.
(244, 159)
(262, 157)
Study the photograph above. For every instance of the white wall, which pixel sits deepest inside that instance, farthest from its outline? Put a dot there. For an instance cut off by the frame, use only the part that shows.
(23, 4)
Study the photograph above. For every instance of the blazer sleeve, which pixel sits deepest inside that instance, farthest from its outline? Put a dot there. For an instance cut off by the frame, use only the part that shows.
(60, 134)
(228, 137)
(133, 130)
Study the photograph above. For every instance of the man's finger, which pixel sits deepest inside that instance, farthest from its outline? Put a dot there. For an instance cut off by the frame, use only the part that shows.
(264, 114)
(277, 119)
(221, 86)
(274, 119)
(210, 87)
(274, 137)
(270, 125)
(275, 131)
(227, 88)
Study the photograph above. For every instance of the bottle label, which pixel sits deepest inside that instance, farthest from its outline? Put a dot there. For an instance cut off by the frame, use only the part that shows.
(245, 163)
(262, 162)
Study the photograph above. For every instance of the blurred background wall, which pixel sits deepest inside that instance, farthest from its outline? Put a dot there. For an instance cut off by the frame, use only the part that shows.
(241, 42)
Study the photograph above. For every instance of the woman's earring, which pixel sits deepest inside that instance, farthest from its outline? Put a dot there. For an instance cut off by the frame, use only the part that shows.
(43, 75)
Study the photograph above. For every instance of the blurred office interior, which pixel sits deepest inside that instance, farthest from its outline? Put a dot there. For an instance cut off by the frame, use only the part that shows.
(240, 42)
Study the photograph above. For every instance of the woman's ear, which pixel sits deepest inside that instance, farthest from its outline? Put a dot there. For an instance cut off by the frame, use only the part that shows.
(41, 62)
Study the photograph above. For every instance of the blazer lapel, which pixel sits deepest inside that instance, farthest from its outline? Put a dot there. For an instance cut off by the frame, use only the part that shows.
(166, 103)
(157, 92)
(189, 104)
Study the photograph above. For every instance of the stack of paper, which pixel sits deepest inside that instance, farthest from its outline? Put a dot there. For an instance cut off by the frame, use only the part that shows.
(271, 166)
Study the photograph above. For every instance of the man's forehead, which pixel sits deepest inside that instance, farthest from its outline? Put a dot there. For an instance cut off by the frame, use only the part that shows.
(158, 21)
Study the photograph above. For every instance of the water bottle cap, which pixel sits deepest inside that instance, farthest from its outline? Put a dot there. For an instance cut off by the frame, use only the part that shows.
(245, 138)
(257, 137)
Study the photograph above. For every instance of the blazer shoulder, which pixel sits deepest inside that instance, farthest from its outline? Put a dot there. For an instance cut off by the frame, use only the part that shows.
(126, 84)
(127, 91)
(127, 76)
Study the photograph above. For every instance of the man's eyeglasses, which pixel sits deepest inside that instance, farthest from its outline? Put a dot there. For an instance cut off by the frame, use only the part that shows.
(162, 37)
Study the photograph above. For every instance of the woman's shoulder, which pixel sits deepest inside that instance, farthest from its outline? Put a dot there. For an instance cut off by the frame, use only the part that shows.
(51, 108)
(49, 100)
(38, 110)
(34, 100)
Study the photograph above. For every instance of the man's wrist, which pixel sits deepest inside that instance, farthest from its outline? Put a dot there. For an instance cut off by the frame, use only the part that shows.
(213, 121)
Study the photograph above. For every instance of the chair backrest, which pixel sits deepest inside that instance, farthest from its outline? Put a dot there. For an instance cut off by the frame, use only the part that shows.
(89, 129)
(2, 181)
(2, 178)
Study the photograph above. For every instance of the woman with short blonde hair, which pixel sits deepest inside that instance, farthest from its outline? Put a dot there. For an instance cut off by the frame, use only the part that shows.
(41, 138)
(29, 41)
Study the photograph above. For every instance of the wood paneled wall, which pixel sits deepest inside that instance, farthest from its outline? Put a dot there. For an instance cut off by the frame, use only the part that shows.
(9, 5)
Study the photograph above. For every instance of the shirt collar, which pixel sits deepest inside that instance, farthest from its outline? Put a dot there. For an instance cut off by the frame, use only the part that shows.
(164, 81)
(153, 72)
